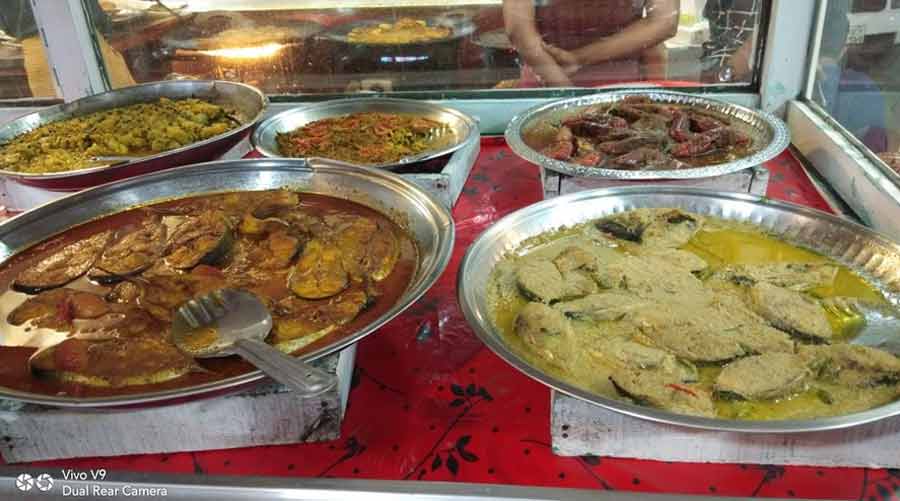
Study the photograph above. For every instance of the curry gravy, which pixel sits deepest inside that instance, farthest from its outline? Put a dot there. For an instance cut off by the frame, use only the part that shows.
(14, 369)
(719, 243)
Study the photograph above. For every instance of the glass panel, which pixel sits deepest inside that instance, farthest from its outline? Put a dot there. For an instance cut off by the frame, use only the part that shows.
(857, 79)
(24, 71)
(317, 46)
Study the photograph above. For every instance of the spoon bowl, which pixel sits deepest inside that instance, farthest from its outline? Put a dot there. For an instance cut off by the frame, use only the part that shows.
(235, 322)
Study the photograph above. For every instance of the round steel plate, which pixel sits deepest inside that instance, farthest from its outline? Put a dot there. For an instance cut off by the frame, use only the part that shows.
(426, 220)
(871, 255)
(248, 102)
(463, 127)
(770, 135)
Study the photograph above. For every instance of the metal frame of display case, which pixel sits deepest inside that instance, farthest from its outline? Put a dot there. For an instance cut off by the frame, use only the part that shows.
(864, 182)
(789, 50)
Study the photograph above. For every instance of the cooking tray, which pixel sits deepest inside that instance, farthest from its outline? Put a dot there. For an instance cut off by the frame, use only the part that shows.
(463, 127)
(340, 33)
(185, 38)
(426, 220)
(248, 102)
(770, 135)
(871, 255)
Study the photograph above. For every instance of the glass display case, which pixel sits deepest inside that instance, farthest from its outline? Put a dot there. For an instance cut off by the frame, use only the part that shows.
(310, 48)
(433, 412)
(23, 60)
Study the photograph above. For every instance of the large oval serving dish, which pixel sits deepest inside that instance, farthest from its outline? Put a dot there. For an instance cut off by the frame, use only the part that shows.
(461, 126)
(456, 31)
(418, 214)
(870, 255)
(247, 102)
(768, 133)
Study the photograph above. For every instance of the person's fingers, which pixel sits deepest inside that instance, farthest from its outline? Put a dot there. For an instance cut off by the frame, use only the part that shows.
(553, 50)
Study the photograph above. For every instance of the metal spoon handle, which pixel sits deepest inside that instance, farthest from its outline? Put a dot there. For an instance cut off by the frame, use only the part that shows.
(306, 380)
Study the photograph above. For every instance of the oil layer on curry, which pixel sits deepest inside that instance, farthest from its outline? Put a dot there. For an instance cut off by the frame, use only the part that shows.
(88, 313)
(693, 315)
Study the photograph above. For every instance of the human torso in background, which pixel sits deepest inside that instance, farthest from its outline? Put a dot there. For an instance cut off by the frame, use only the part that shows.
(732, 24)
(570, 24)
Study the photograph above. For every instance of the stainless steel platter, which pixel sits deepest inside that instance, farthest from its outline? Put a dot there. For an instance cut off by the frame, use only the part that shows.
(248, 104)
(873, 256)
(426, 220)
(459, 28)
(770, 135)
(462, 126)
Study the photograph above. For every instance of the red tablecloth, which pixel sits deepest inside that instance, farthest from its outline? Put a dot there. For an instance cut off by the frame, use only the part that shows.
(430, 402)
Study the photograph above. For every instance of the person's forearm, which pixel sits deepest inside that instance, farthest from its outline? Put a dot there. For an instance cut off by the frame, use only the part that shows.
(519, 22)
(740, 60)
(647, 32)
(546, 68)
(530, 47)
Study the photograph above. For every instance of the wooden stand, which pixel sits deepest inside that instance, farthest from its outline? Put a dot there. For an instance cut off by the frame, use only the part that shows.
(266, 415)
(579, 428)
(753, 181)
(448, 184)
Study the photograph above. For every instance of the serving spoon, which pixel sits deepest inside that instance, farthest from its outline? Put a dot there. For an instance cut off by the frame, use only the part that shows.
(880, 323)
(235, 322)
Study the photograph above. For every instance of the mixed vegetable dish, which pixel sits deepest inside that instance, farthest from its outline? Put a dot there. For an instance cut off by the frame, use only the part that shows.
(132, 131)
(367, 138)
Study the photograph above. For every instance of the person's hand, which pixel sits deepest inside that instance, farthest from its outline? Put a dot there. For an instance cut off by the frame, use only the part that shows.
(566, 59)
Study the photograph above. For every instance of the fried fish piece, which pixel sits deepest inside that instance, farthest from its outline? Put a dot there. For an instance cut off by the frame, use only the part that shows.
(319, 273)
(56, 308)
(368, 248)
(299, 322)
(132, 253)
(117, 362)
(792, 312)
(63, 266)
(763, 377)
(663, 391)
(545, 330)
(852, 365)
(799, 277)
(656, 228)
(203, 239)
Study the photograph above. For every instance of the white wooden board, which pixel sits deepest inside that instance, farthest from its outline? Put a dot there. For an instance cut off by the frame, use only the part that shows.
(266, 415)
(579, 428)
(447, 185)
(752, 181)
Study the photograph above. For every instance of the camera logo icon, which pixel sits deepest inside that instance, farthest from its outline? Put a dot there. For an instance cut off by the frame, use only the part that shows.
(24, 482)
(44, 482)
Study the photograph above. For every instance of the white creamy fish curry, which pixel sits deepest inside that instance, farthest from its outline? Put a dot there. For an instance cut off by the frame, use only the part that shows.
(694, 315)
